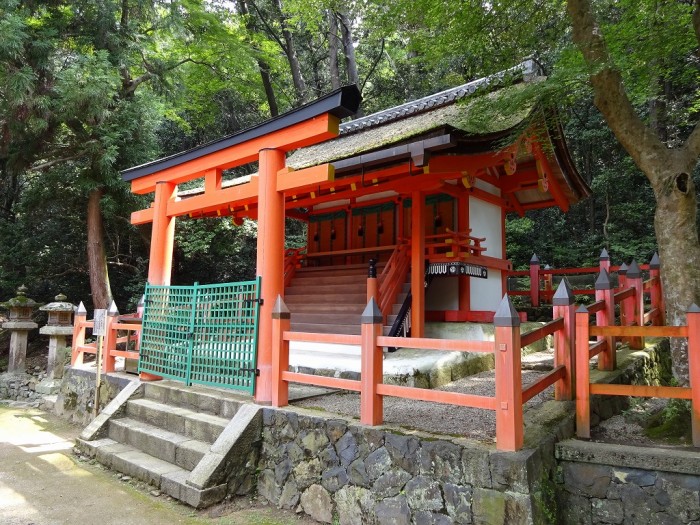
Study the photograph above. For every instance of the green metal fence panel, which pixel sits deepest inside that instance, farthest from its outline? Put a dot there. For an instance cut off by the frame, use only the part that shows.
(202, 334)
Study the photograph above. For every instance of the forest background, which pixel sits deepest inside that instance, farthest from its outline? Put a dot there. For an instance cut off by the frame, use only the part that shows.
(91, 87)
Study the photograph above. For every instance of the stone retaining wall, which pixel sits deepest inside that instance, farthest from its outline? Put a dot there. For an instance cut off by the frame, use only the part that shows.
(20, 387)
(614, 484)
(337, 471)
(76, 399)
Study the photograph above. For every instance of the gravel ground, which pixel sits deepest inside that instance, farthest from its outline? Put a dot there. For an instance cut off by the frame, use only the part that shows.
(474, 423)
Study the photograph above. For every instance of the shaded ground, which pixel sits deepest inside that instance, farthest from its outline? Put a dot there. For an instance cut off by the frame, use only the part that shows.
(42, 483)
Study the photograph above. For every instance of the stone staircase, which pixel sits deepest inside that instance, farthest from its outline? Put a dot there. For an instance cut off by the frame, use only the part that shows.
(331, 299)
(191, 443)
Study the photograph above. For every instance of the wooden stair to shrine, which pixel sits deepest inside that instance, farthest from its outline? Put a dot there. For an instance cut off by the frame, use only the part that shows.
(331, 299)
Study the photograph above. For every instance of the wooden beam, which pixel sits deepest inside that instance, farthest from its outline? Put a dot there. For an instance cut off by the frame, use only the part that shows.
(466, 163)
(290, 180)
(518, 181)
(302, 134)
(554, 188)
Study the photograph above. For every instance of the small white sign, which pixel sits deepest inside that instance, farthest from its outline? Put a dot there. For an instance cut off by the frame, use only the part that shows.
(100, 318)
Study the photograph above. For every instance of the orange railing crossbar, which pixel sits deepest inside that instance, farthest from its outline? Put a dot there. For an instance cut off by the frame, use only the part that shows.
(542, 383)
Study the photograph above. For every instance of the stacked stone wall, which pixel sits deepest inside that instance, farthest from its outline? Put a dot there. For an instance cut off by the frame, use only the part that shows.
(339, 472)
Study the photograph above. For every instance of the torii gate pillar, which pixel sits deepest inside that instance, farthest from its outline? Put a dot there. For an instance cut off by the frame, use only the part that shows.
(270, 262)
(162, 236)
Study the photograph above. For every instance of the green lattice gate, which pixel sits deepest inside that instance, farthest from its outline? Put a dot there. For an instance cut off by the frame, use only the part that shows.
(202, 334)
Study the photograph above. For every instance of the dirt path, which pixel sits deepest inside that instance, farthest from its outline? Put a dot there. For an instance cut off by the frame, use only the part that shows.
(42, 483)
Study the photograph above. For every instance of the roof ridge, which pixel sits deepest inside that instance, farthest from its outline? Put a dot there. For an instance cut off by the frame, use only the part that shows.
(436, 100)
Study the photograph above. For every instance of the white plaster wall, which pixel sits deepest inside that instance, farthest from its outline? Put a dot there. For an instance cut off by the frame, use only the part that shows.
(485, 220)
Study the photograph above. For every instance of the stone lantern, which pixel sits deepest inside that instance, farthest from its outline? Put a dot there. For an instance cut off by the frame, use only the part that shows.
(19, 325)
(59, 325)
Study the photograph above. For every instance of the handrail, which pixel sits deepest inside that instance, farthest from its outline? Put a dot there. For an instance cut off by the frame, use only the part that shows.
(392, 278)
(541, 332)
(292, 258)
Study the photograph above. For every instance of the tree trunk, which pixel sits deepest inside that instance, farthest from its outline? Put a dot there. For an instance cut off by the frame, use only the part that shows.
(333, 49)
(349, 48)
(262, 65)
(668, 170)
(679, 251)
(96, 255)
(292, 58)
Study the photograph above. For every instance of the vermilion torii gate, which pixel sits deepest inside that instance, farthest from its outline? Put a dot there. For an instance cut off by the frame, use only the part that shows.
(268, 144)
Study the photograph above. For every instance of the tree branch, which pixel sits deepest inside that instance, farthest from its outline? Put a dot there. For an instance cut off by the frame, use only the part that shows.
(50, 163)
(270, 31)
(609, 93)
(374, 66)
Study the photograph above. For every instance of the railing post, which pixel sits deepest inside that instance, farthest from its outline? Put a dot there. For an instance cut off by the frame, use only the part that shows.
(534, 280)
(565, 341)
(604, 261)
(657, 296)
(281, 321)
(693, 320)
(372, 362)
(607, 360)
(548, 284)
(509, 387)
(583, 375)
(78, 339)
(110, 340)
(634, 279)
(372, 286)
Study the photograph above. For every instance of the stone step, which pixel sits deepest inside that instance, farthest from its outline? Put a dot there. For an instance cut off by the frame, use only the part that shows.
(169, 478)
(180, 450)
(190, 423)
(340, 268)
(217, 402)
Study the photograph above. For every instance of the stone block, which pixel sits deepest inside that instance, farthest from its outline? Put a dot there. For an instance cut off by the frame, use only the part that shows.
(424, 517)
(390, 483)
(458, 502)
(587, 479)
(475, 467)
(189, 453)
(317, 503)
(347, 448)
(334, 478)
(308, 473)
(512, 470)
(268, 488)
(393, 511)
(289, 497)
(353, 505)
(377, 463)
(607, 511)
(312, 442)
(423, 493)
(441, 460)
(405, 452)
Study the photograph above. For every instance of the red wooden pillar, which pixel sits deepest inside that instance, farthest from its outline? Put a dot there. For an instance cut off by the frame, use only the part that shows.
(693, 319)
(548, 284)
(534, 280)
(509, 387)
(634, 280)
(565, 341)
(626, 304)
(417, 264)
(162, 236)
(78, 335)
(110, 339)
(270, 262)
(607, 360)
(281, 320)
(657, 295)
(372, 361)
(463, 227)
(583, 375)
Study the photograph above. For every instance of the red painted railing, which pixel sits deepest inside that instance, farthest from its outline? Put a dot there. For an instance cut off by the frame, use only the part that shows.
(585, 351)
(393, 277)
(510, 393)
(120, 330)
